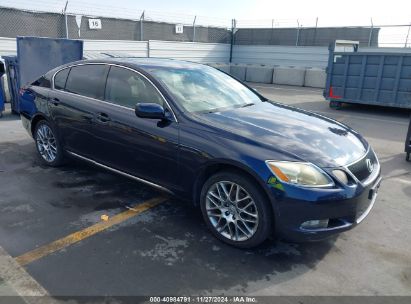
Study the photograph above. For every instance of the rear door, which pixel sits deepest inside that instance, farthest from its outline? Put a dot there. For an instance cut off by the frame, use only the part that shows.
(73, 103)
(146, 148)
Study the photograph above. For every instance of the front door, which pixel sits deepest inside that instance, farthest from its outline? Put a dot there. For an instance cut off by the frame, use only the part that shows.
(146, 148)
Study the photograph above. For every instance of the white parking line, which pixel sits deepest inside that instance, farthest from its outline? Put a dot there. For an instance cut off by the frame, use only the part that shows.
(401, 180)
(286, 89)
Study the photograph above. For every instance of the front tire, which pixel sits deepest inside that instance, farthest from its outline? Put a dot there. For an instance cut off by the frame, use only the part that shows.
(48, 144)
(235, 209)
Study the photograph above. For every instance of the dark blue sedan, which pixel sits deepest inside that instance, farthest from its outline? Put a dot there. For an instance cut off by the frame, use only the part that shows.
(255, 167)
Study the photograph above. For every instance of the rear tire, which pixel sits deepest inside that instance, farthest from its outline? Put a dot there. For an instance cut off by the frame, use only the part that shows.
(48, 144)
(235, 209)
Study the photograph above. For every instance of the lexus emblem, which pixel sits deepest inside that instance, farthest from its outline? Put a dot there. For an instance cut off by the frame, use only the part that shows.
(370, 165)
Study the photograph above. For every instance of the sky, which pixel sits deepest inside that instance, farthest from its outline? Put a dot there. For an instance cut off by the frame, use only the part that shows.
(248, 13)
(355, 12)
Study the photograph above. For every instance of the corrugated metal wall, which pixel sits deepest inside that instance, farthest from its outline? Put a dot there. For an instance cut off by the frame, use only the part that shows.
(192, 51)
(135, 48)
(7, 46)
(300, 56)
(385, 50)
(303, 56)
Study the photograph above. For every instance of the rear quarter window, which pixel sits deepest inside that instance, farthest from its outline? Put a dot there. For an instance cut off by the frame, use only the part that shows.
(43, 82)
(60, 79)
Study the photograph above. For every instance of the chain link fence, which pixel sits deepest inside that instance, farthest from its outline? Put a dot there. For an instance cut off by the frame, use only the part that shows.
(22, 23)
(119, 23)
(14, 22)
(306, 36)
(321, 31)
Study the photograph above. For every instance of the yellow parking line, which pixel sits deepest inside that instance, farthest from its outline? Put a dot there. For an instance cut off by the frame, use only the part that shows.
(75, 237)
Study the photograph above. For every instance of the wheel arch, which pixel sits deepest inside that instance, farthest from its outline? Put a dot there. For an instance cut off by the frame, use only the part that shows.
(35, 120)
(222, 165)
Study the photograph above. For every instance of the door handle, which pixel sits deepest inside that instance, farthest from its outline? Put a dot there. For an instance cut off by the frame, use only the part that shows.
(55, 101)
(103, 117)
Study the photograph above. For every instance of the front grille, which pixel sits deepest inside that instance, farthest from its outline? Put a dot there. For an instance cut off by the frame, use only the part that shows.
(360, 169)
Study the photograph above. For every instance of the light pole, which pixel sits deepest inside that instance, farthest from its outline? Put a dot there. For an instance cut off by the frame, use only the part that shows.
(65, 19)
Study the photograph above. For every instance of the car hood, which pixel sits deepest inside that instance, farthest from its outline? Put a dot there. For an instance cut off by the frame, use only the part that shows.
(306, 135)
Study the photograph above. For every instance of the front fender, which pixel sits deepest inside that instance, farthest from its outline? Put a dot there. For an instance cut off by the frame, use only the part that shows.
(253, 168)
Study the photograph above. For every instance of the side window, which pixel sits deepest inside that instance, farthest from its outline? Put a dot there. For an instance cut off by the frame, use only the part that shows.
(126, 88)
(86, 80)
(60, 79)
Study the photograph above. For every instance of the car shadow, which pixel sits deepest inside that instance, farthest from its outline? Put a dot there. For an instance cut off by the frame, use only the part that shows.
(176, 241)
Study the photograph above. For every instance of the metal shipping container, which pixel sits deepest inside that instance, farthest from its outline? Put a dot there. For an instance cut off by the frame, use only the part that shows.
(374, 78)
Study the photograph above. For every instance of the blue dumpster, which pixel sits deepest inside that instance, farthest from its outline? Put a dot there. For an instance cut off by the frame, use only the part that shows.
(373, 78)
(2, 94)
(408, 142)
(35, 57)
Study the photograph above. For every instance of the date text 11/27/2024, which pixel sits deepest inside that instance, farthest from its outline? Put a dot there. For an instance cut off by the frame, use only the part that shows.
(204, 299)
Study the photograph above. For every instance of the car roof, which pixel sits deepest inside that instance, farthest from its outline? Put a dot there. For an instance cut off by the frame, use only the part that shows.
(147, 63)
(142, 63)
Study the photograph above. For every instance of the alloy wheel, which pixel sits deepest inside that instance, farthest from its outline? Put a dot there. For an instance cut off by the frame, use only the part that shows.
(232, 211)
(46, 143)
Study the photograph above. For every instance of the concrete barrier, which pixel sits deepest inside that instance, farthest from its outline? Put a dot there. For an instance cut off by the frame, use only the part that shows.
(261, 74)
(238, 71)
(315, 78)
(221, 66)
(289, 76)
(294, 76)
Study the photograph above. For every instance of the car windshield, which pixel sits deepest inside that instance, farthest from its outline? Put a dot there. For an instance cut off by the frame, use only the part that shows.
(205, 89)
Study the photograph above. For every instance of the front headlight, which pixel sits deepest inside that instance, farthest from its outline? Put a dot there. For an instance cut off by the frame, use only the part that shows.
(304, 174)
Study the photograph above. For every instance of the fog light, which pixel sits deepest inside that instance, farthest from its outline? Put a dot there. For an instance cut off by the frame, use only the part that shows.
(315, 224)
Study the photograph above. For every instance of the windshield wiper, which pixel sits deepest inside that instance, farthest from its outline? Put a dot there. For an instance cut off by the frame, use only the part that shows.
(247, 105)
(225, 108)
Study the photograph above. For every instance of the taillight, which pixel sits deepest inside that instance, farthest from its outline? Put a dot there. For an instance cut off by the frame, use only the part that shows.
(332, 94)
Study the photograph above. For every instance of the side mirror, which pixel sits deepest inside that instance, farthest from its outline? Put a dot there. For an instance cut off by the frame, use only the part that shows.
(149, 110)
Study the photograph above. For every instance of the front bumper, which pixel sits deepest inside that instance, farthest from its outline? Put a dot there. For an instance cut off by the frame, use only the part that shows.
(344, 208)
